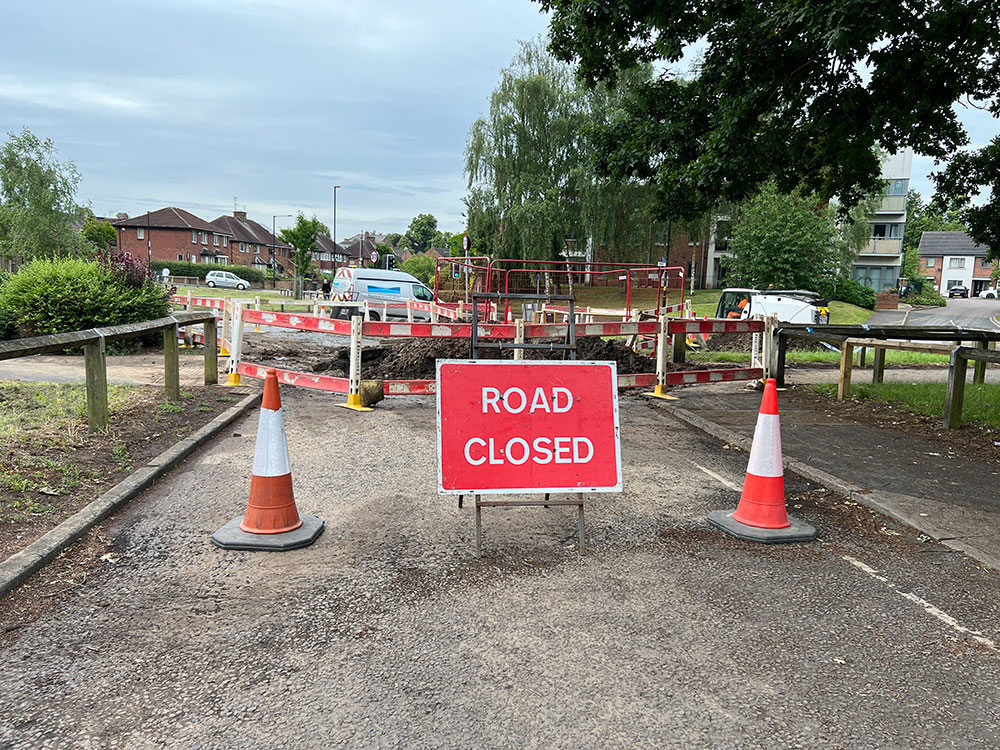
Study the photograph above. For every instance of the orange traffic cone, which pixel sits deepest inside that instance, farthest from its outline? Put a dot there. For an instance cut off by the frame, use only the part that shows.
(761, 515)
(271, 521)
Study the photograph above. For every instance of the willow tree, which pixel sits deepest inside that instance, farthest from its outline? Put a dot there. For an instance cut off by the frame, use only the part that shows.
(532, 184)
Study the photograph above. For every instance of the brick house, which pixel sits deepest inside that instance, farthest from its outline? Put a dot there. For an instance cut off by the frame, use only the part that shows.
(173, 234)
(330, 255)
(252, 242)
(949, 259)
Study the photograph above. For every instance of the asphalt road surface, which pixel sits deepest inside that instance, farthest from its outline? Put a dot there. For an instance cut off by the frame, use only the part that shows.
(389, 633)
(970, 313)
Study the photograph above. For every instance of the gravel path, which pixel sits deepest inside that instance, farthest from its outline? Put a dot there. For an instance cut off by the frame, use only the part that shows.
(389, 633)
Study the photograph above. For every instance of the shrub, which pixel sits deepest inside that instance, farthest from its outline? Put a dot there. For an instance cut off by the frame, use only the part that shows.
(183, 268)
(927, 298)
(850, 291)
(54, 296)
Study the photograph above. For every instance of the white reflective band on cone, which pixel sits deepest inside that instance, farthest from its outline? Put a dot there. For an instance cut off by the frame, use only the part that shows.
(271, 457)
(765, 453)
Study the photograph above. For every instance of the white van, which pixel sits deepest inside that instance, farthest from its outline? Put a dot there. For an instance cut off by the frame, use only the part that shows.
(385, 291)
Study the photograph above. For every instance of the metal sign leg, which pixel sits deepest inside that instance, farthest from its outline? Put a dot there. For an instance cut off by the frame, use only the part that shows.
(581, 528)
(479, 529)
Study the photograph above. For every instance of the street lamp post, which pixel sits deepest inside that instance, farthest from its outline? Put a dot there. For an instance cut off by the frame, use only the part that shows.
(274, 244)
(334, 238)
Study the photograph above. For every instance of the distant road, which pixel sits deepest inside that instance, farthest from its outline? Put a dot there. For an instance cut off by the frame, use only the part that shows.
(968, 313)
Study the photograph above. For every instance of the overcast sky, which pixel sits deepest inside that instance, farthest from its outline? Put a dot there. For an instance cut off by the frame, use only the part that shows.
(195, 103)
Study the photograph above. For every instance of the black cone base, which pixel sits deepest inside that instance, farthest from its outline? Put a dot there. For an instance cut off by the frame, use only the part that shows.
(231, 536)
(797, 531)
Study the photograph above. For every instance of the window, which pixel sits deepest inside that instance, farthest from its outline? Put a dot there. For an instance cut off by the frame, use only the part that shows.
(931, 262)
(180, 256)
(422, 293)
(985, 264)
(898, 187)
(204, 238)
(225, 241)
(256, 249)
(956, 262)
(954, 283)
(879, 231)
(140, 233)
(215, 240)
(242, 248)
(194, 236)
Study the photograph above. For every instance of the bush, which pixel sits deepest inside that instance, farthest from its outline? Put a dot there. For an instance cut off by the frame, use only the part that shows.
(55, 296)
(927, 298)
(850, 291)
(183, 268)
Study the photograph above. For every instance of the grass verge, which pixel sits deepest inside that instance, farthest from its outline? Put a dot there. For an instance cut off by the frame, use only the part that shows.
(826, 356)
(979, 408)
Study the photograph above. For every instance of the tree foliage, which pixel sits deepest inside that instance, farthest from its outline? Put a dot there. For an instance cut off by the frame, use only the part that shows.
(302, 238)
(420, 266)
(785, 239)
(37, 193)
(802, 93)
(99, 233)
(422, 230)
(531, 183)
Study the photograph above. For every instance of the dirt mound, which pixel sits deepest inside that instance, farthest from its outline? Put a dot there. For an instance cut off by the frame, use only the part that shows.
(743, 342)
(415, 359)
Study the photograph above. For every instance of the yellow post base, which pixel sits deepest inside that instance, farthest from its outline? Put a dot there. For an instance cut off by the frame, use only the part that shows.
(186, 346)
(354, 403)
(660, 391)
(233, 379)
(256, 329)
(223, 351)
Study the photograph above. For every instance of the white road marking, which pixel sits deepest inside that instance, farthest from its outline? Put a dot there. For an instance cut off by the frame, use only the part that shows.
(721, 480)
(926, 605)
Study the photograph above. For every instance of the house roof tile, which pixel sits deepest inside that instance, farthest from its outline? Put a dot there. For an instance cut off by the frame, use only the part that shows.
(949, 243)
(170, 217)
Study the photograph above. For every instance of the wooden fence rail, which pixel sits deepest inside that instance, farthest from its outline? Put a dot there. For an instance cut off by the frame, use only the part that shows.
(94, 340)
(882, 338)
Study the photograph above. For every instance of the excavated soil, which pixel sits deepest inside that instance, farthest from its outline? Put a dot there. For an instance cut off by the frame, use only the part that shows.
(414, 359)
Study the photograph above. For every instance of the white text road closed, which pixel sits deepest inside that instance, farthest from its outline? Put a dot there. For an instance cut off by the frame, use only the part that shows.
(528, 427)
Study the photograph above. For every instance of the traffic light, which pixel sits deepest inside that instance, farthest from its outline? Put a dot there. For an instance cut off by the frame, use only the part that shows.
(390, 262)
(456, 271)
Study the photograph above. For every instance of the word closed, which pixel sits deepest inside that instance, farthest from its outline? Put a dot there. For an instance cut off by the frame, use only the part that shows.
(527, 426)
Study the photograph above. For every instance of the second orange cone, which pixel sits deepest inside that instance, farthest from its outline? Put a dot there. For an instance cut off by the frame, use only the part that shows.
(761, 515)
(271, 521)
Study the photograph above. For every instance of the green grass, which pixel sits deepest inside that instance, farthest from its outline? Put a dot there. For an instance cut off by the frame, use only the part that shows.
(979, 407)
(800, 357)
(846, 314)
(57, 407)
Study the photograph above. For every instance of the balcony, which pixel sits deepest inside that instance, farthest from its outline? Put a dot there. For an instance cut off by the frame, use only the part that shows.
(892, 204)
(883, 247)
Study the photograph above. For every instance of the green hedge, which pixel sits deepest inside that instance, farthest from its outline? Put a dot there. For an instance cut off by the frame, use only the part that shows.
(55, 296)
(183, 268)
(927, 298)
(849, 290)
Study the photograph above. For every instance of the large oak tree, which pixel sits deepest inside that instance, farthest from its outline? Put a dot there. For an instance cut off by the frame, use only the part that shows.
(804, 93)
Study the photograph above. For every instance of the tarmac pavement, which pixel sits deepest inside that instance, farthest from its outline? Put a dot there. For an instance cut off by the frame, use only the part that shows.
(389, 633)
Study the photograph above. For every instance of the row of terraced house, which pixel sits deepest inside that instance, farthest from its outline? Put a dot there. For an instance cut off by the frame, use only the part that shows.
(173, 234)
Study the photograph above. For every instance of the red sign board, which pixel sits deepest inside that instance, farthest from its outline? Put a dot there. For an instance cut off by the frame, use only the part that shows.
(519, 427)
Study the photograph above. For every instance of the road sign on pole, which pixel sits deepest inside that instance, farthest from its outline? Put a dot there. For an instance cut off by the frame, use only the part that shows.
(466, 244)
(527, 427)
(373, 257)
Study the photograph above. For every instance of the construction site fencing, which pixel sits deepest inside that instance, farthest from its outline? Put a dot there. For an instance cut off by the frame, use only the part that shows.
(668, 332)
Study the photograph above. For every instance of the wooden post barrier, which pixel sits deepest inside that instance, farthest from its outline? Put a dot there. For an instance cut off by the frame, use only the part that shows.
(171, 364)
(95, 358)
(354, 390)
(955, 396)
(979, 369)
(878, 365)
(211, 352)
(519, 338)
(846, 363)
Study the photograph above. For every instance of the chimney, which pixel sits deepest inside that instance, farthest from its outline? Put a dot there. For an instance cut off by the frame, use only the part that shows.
(121, 215)
(241, 215)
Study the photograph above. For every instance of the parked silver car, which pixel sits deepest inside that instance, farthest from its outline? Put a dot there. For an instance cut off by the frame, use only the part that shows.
(226, 279)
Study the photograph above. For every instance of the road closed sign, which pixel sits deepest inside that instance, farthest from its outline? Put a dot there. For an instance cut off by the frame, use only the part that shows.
(525, 427)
